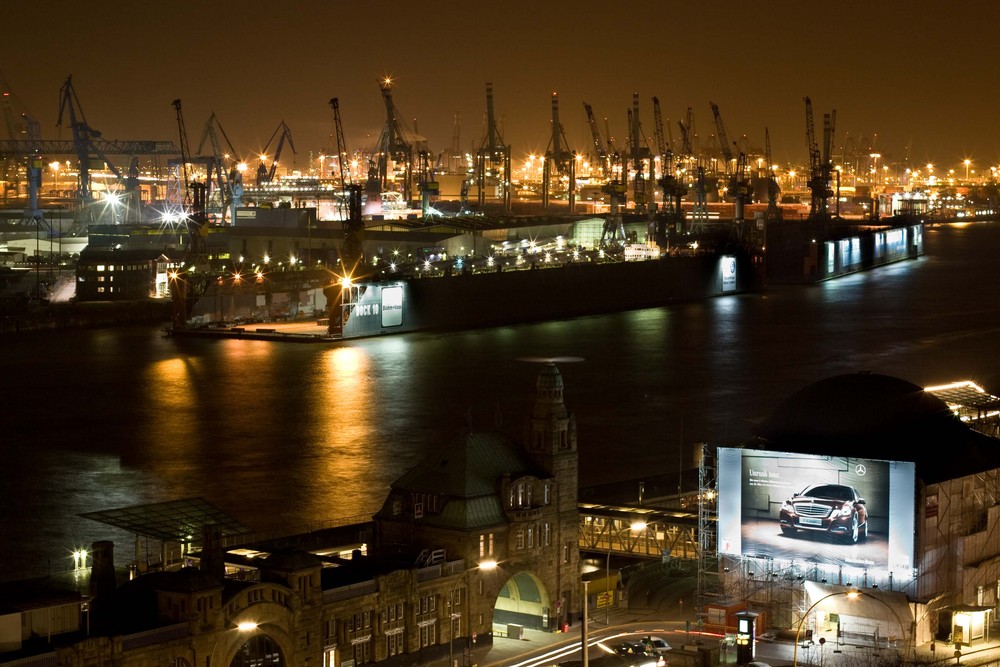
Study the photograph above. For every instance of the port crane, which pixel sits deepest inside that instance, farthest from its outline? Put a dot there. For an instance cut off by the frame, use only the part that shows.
(558, 155)
(673, 190)
(25, 144)
(638, 152)
(353, 224)
(493, 157)
(393, 145)
(601, 155)
(820, 167)
(664, 139)
(85, 145)
(190, 279)
(696, 170)
(265, 174)
(228, 178)
(736, 169)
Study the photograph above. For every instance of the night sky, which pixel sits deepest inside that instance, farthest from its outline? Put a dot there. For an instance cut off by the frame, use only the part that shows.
(919, 72)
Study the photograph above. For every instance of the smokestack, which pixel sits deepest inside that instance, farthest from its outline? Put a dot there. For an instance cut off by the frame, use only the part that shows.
(102, 572)
(212, 559)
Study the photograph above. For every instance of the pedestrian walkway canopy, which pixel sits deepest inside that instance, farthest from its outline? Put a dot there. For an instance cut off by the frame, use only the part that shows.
(180, 521)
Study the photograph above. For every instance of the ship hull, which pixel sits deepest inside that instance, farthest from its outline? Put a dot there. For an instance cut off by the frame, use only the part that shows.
(513, 297)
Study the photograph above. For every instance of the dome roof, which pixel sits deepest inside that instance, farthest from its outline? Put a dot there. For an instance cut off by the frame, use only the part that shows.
(867, 415)
(859, 404)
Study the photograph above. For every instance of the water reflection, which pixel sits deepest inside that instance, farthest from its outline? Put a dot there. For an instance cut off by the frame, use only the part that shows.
(286, 435)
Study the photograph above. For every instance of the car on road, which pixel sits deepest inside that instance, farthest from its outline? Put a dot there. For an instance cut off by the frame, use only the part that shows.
(633, 648)
(837, 510)
(657, 645)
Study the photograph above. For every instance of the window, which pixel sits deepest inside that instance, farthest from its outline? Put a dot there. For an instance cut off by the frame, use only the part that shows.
(457, 599)
(394, 644)
(491, 544)
(531, 537)
(428, 635)
(520, 539)
(547, 492)
(566, 553)
(520, 495)
(547, 535)
(482, 546)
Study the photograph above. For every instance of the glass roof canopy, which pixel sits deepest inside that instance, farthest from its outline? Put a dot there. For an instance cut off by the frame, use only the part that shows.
(179, 521)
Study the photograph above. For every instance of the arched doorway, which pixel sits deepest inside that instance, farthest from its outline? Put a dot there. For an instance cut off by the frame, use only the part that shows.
(258, 651)
(523, 600)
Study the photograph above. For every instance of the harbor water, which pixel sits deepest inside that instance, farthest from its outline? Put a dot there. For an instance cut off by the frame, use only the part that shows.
(289, 436)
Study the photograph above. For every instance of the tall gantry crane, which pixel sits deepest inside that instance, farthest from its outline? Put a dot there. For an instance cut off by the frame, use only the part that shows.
(695, 170)
(638, 153)
(266, 174)
(738, 184)
(664, 140)
(559, 156)
(493, 158)
(393, 146)
(84, 139)
(601, 155)
(672, 188)
(194, 194)
(353, 224)
(228, 177)
(820, 166)
(190, 279)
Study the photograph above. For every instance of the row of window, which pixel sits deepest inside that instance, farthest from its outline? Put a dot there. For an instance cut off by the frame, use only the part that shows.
(100, 268)
(536, 535)
(521, 495)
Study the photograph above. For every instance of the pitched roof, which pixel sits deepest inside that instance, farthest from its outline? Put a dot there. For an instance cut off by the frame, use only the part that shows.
(469, 466)
(466, 476)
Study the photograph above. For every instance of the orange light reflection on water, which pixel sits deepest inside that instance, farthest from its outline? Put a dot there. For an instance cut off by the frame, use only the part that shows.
(344, 409)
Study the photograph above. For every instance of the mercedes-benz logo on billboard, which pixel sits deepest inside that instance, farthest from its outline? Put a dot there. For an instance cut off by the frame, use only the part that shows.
(860, 470)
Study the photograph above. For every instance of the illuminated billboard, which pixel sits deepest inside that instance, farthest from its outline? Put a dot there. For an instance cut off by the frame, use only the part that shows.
(833, 510)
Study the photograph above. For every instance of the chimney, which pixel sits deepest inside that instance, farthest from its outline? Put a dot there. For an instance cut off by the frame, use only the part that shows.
(102, 572)
(212, 559)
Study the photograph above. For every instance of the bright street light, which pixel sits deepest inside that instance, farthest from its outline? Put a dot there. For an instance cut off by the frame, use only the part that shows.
(852, 594)
(483, 566)
(635, 527)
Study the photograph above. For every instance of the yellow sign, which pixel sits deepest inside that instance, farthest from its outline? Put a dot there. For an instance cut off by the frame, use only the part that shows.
(604, 599)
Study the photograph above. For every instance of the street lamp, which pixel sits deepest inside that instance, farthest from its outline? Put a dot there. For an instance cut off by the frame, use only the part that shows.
(483, 566)
(967, 163)
(635, 527)
(228, 641)
(850, 594)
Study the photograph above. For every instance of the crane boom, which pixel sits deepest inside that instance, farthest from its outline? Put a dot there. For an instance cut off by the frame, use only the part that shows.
(727, 151)
(658, 120)
(600, 151)
(819, 163)
(353, 225)
(84, 137)
(264, 174)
